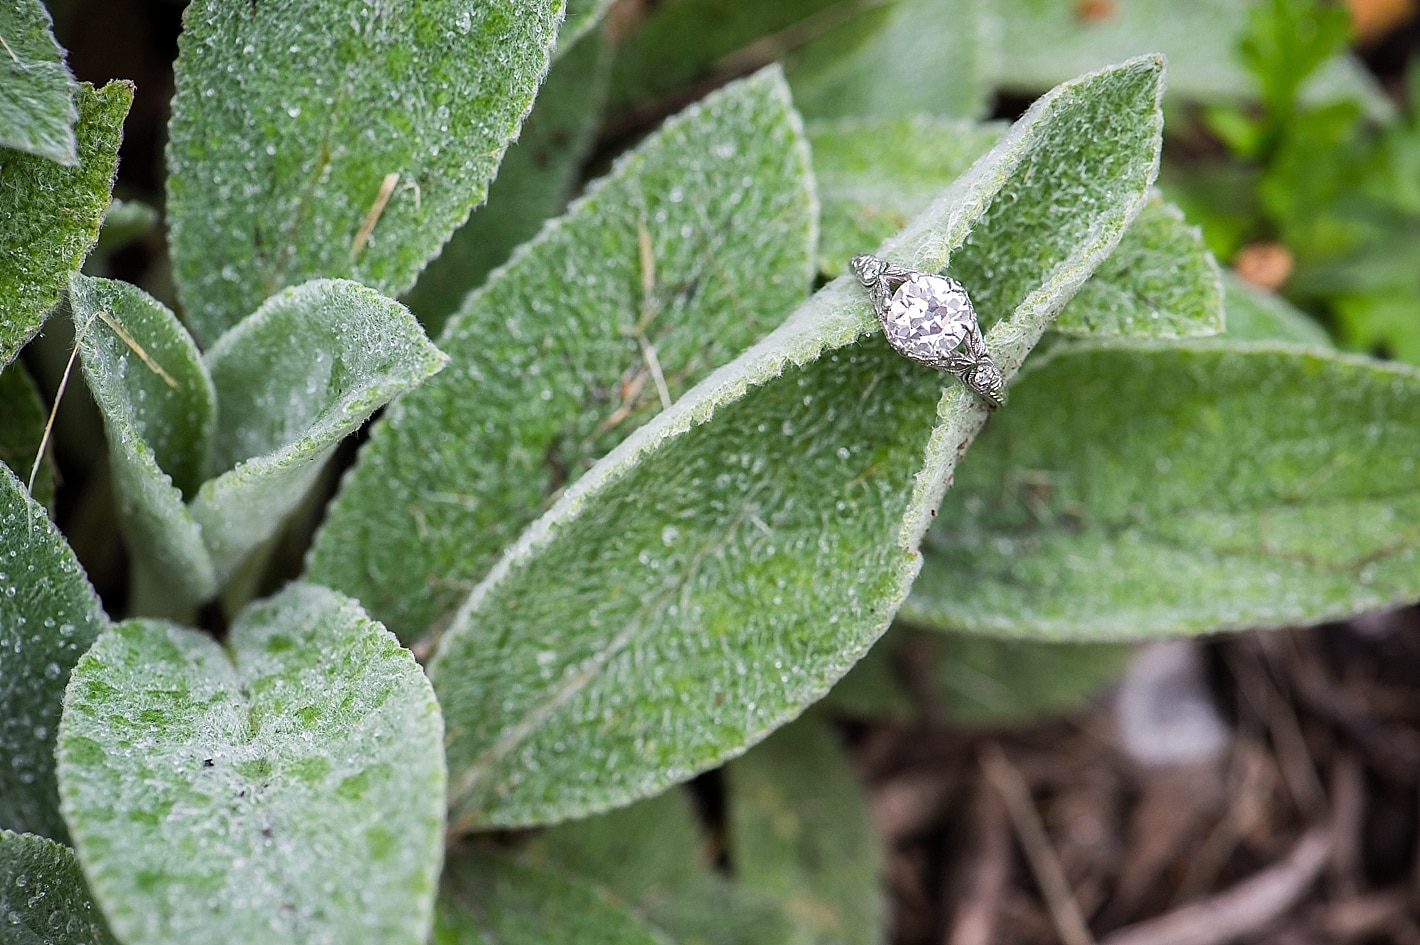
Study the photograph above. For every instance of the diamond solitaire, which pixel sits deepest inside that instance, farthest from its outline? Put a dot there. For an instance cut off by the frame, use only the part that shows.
(928, 315)
(930, 319)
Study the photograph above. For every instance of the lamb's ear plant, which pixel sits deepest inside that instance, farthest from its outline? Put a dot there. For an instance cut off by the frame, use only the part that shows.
(642, 501)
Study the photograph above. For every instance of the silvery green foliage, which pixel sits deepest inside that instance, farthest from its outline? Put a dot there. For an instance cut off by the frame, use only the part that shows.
(272, 181)
(49, 615)
(37, 112)
(755, 538)
(50, 214)
(287, 786)
(43, 898)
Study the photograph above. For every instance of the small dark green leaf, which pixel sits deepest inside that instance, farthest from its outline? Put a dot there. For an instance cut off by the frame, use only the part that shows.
(1134, 491)
(914, 57)
(286, 126)
(694, 246)
(731, 559)
(22, 420)
(653, 856)
(534, 181)
(1160, 282)
(800, 830)
(157, 403)
(43, 898)
(49, 615)
(212, 793)
(37, 112)
(293, 380)
(487, 899)
(583, 16)
(49, 215)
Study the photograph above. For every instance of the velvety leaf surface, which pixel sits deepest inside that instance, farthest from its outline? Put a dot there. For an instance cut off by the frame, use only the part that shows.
(675, 43)
(1258, 315)
(43, 899)
(159, 414)
(1160, 282)
(876, 174)
(653, 855)
(288, 787)
(693, 246)
(800, 830)
(37, 112)
(49, 214)
(1134, 491)
(285, 126)
(726, 563)
(22, 419)
(975, 680)
(49, 615)
(534, 181)
(486, 899)
(907, 58)
(293, 380)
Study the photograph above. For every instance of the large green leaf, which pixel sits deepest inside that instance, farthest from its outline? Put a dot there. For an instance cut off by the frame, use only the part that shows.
(692, 247)
(288, 787)
(22, 420)
(158, 407)
(50, 214)
(488, 899)
(652, 855)
(534, 182)
(1137, 490)
(37, 112)
(43, 898)
(907, 58)
(287, 121)
(726, 563)
(49, 615)
(1258, 315)
(801, 831)
(293, 380)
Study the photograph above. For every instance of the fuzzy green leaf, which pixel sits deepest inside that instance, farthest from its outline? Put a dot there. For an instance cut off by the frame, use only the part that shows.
(487, 899)
(1160, 282)
(800, 830)
(286, 124)
(210, 790)
(43, 898)
(159, 414)
(908, 58)
(560, 354)
(50, 214)
(1134, 491)
(293, 380)
(652, 855)
(726, 563)
(49, 615)
(37, 112)
(534, 182)
(874, 175)
(22, 420)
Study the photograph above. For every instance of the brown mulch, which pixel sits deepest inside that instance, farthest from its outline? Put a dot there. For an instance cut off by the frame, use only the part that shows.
(1303, 831)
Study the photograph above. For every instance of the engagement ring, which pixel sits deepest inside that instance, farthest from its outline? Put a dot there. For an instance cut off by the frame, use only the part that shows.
(930, 319)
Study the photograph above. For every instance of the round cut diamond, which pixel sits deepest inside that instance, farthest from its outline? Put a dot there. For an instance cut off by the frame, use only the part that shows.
(928, 316)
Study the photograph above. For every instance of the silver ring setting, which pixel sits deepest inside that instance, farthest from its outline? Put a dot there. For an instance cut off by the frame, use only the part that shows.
(930, 319)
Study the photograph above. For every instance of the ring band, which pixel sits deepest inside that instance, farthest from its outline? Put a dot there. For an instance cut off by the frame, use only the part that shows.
(930, 319)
